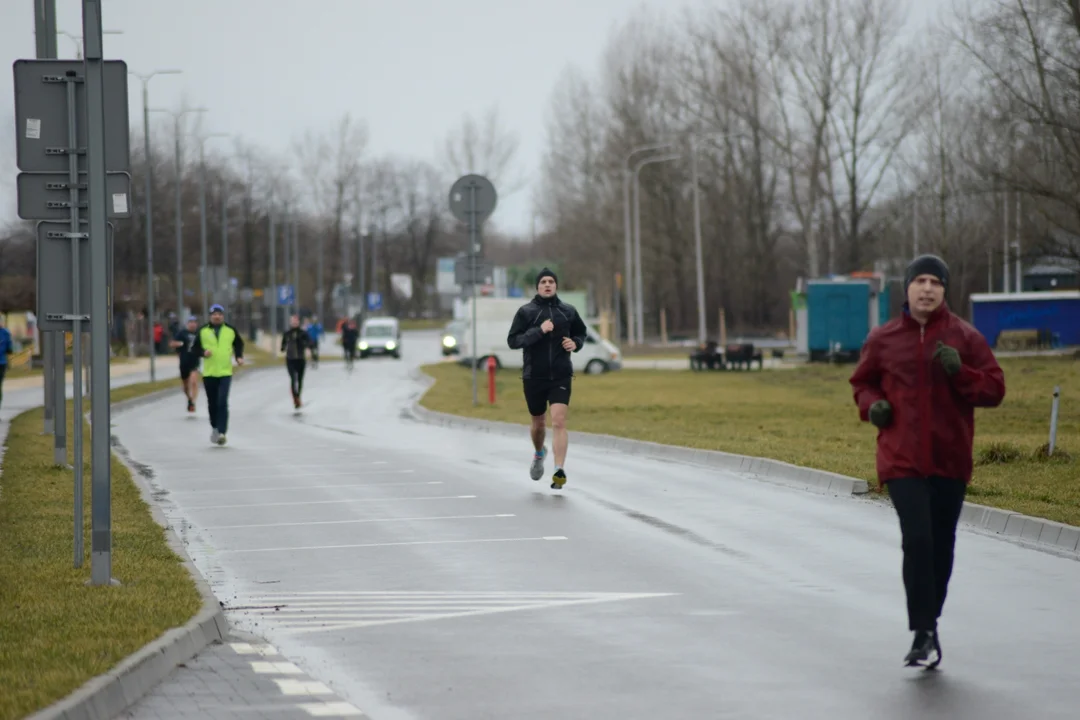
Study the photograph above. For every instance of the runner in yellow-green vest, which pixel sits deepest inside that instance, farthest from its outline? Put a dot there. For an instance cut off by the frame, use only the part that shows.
(217, 342)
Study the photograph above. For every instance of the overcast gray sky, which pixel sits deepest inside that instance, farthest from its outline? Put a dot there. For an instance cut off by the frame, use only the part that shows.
(410, 68)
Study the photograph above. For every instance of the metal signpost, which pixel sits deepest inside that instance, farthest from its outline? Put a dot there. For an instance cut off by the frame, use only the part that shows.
(472, 200)
(74, 178)
(45, 40)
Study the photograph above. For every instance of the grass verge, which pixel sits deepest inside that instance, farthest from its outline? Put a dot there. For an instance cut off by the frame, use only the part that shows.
(806, 416)
(423, 323)
(55, 632)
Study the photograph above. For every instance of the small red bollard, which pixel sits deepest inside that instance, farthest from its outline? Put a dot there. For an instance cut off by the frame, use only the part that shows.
(491, 380)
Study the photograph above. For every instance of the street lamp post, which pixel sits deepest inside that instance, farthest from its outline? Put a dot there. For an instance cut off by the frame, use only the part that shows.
(628, 235)
(638, 282)
(78, 39)
(699, 259)
(204, 285)
(177, 116)
(145, 78)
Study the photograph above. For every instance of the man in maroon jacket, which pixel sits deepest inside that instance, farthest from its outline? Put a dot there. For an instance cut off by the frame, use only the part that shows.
(919, 380)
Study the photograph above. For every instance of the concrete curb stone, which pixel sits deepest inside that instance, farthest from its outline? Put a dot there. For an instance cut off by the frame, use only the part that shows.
(106, 696)
(1036, 532)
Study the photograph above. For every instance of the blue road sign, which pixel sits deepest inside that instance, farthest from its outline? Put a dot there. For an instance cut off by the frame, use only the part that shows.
(374, 301)
(285, 295)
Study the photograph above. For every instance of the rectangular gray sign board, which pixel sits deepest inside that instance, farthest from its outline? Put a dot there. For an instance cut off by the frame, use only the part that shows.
(45, 196)
(55, 299)
(41, 115)
(469, 271)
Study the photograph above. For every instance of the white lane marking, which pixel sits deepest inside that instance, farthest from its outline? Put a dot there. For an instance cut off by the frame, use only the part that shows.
(282, 469)
(308, 613)
(304, 487)
(288, 686)
(556, 537)
(392, 544)
(330, 502)
(380, 462)
(338, 709)
(276, 668)
(347, 473)
(249, 649)
(352, 522)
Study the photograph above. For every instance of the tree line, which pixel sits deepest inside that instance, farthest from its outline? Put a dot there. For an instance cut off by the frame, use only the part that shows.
(328, 188)
(832, 136)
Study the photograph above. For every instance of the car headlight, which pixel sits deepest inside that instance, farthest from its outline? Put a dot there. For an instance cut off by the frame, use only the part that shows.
(363, 346)
(449, 341)
(391, 345)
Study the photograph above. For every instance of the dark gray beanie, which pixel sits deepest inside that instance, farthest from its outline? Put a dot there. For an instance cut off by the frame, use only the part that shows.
(927, 265)
(546, 273)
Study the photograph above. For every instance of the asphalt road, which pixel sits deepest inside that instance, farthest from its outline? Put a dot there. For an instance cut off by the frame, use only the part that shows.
(420, 573)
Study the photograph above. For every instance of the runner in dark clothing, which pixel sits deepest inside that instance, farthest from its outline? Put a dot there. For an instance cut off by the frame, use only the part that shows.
(350, 336)
(547, 330)
(184, 342)
(919, 380)
(293, 343)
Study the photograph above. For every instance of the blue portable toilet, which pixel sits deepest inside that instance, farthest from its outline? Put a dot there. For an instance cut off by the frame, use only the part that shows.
(841, 312)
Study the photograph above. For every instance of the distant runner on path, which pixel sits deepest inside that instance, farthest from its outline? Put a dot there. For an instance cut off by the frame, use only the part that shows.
(184, 343)
(547, 330)
(217, 342)
(293, 343)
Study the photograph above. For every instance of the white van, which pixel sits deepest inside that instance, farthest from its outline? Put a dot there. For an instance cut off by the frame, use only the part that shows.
(493, 319)
(380, 336)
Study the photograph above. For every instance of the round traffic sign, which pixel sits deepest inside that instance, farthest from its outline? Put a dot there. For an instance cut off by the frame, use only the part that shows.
(470, 189)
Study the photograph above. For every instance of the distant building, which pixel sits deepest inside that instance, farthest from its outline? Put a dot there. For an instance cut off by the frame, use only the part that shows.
(1052, 273)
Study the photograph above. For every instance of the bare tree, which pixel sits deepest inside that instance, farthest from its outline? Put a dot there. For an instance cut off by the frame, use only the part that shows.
(805, 79)
(1027, 54)
(331, 164)
(483, 146)
(877, 105)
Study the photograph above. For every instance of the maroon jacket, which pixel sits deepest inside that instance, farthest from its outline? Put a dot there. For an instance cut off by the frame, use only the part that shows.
(933, 415)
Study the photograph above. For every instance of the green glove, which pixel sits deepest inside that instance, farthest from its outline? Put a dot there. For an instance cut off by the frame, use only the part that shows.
(881, 413)
(948, 357)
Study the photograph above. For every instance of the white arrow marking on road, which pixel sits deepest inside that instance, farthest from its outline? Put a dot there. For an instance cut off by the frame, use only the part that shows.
(368, 520)
(390, 544)
(321, 612)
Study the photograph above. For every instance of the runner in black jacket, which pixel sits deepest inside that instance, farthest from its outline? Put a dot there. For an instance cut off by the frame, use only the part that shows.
(293, 343)
(547, 330)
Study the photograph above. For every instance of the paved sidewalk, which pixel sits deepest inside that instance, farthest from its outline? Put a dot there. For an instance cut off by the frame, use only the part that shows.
(116, 370)
(243, 678)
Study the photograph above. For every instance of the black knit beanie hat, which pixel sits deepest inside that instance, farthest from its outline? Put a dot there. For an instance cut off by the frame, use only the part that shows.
(546, 273)
(927, 265)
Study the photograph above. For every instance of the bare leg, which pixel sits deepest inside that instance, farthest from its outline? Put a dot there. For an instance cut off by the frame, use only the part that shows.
(194, 379)
(537, 431)
(560, 438)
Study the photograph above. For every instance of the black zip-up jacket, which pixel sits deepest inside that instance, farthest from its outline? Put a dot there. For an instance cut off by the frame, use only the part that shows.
(294, 342)
(544, 356)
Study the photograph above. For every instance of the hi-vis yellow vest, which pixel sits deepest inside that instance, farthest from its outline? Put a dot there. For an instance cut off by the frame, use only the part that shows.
(219, 364)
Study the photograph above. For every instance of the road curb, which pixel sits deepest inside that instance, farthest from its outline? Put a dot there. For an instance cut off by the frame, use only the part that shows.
(106, 696)
(1031, 531)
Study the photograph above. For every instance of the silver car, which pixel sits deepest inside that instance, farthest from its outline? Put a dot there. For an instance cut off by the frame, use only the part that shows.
(380, 336)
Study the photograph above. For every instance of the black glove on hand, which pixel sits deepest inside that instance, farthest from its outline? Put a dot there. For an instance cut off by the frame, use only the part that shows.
(880, 413)
(948, 357)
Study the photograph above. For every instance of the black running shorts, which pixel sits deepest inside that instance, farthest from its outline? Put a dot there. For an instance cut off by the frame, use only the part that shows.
(539, 393)
(186, 368)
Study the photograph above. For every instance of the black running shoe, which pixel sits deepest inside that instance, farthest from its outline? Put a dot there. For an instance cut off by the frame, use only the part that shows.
(558, 479)
(925, 650)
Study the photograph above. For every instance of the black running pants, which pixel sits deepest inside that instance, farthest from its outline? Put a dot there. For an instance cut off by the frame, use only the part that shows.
(217, 401)
(3, 371)
(296, 375)
(929, 510)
